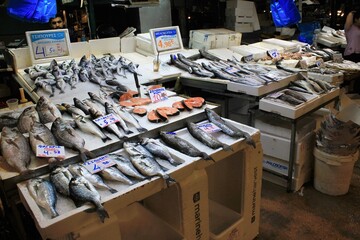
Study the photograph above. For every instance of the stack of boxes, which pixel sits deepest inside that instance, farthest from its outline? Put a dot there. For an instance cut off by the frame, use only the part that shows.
(241, 16)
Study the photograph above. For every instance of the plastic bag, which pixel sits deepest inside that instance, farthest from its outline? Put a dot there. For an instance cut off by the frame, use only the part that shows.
(32, 10)
(284, 13)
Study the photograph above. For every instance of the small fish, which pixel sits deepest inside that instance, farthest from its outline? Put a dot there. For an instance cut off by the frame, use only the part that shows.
(183, 146)
(129, 118)
(72, 109)
(158, 150)
(113, 174)
(61, 84)
(206, 138)
(91, 104)
(111, 109)
(82, 190)
(27, 119)
(112, 128)
(84, 75)
(60, 177)
(79, 104)
(44, 194)
(295, 95)
(96, 98)
(125, 166)
(89, 126)
(94, 179)
(73, 81)
(228, 128)
(119, 86)
(290, 99)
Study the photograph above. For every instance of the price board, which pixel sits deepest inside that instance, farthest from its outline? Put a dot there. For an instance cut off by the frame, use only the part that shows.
(158, 95)
(166, 39)
(54, 44)
(97, 164)
(50, 151)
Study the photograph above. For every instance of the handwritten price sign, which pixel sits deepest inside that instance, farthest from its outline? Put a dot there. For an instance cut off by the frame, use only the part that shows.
(106, 120)
(158, 95)
(209, 128)
(273, 53)
(97, 164)
(50, 151)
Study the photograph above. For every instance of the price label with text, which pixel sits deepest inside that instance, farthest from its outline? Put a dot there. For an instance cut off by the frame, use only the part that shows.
(274, 53)
(209, 127)
(166, 39)
(158, 95)
(50, 151)
(97, 164)
(106, 120)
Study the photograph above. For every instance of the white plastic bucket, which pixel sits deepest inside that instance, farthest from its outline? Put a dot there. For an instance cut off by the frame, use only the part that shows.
(333, 172)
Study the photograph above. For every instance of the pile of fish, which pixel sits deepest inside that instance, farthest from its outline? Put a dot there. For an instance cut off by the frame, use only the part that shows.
(232, 70)
(102, 71)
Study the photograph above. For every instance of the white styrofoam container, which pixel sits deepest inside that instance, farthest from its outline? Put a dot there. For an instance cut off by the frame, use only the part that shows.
(243, 27)
(287, 45)
(213, 38)
(225, 53)
(294, 112)
(143, 42)
(247, 50)
(267, 46)
(335, 79)
(279, 147)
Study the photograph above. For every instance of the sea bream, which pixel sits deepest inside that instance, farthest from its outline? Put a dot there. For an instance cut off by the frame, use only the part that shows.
(81, 190)
(41, 135)
(60, 177)
(206, 138)
(47, 111)
(156, 148)
(125, 166)
(183, 146)
(94, 179)
(27, 119)
(228, 128)
(113, 174)
(43, 192)
(68, 137)
(15, 149)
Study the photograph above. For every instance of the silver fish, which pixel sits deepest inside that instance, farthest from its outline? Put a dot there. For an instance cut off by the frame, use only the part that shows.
(91, 104)
(158, 149)
(68, 137)
(206, 138)
(129, 118)
(183, 146)
(60, 177)
(96, 98)
(27, 119)
(45, 85)
(290, 99)
(60, 84)
(47, 111)
(295, 95)
(44, 195)
(73, 110)
(41, 135)
(82, 190)
(89, 126)
(228, 128)
(135, 148)
(111, 109)
(84, 75)
(15, 149)
(79, 104)
(73, 81)
(113, 174)
(125, 166)
(94, 179)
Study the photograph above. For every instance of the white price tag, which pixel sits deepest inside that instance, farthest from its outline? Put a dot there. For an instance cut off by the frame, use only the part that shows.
(106, 120)
(50, 151)
(209, 127)
(97, 164)
(158, 95)
(273, 53)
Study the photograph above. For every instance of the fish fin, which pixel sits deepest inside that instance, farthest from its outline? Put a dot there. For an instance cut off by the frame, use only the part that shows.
(141, 129)
(85, 154)
(112, 190)
(102, 213)
(54, 213)
(104, 139)
(251, 142)
(227, 147)
(207, 157)
(10, 141)
(169, 180)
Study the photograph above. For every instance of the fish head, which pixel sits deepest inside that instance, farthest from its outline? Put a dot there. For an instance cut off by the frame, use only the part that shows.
(8, 132)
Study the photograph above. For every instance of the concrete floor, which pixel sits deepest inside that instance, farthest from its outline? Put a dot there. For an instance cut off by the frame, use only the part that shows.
(310, 214)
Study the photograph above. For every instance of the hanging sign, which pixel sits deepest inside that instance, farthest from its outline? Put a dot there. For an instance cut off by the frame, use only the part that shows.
(47, 44)
(166, 39)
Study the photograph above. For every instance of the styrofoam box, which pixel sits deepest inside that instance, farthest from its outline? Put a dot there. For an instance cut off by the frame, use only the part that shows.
(267, 46)
(279, 147)
(247, 50)
(294, 112)
(214, 38)
(261, 90)
(143, 41)
(335, 79)
(278, 127)
(244, 27)
(224, 53)
(287, 45)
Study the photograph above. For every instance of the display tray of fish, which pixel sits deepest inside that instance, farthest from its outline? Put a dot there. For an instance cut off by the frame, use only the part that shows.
(293, 104)
(56, 207)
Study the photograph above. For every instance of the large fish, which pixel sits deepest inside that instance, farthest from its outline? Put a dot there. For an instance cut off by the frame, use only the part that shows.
(113, 128)
(206, 138)
(228, 128)
(94, 179)
(47, 111)
(27, 119)
(114, 174)
(44, 195)
(15, 149)
(60, 177)
(125, 166)
(89, 126)
(111, 109)
(183, 146)
(156, 148)
(81, 190)
(41, 135)
(68, 137)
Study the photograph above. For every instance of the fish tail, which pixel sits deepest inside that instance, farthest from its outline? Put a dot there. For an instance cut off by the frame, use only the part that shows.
(127, 132)
(169, 180)
(102, 213)
(85, 154)
(112, 190)
(207, 157)
(174, 163)
(251, 142)
(104, 139)
(227, 147)
(54, 213)
(141, 129)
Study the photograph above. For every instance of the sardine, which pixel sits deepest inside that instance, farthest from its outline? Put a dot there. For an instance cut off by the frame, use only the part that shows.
(125, 166)
(206, 138)
(228, 128)
(47, 111)
(113, 174)
(44, 194)
(60, 177)
(158, 150)
(183, 146)
(15, 149)
(82, 190)
(94, 179)
(68, 137)
(27, 119)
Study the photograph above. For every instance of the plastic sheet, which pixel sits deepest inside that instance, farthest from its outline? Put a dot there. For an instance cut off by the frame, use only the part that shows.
(32, 10)
(284, 12)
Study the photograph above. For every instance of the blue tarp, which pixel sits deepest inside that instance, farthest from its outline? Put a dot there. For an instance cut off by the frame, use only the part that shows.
(32, 10)
(284, 13)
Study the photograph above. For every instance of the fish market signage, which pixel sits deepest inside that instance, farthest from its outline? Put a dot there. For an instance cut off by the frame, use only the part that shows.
(166, 39)
(98, 164)
(50, 151)
(158, 95)
(106, 120)
(48, 44)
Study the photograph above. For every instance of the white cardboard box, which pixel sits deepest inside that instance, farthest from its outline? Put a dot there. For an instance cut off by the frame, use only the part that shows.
(214, 38)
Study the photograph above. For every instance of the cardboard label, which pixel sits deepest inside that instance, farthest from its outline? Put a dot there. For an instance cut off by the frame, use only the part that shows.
(209, 127)
(98, 164)
(158, 95)
(50, 151)
(273, 53)
(106, 120)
